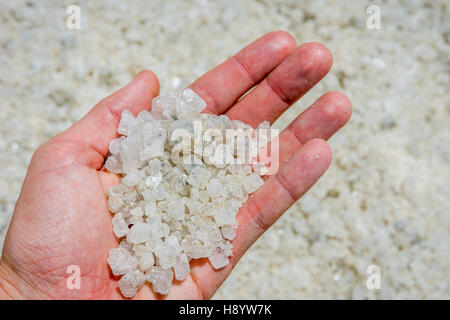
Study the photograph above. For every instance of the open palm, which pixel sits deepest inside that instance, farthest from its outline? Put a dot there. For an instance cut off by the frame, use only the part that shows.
(61, 218)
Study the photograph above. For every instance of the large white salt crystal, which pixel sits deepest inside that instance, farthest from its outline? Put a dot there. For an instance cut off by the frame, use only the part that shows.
(228, 232)
(222, 156)
(224, 217)
(130, 283)
(114, 145)
(146, 261)
(153, 181)
(114, 164)
(172, 245)
(199, 177)
(120, 227)
(252, 182)
(129, 196)
(133, 177)
(176, 210)
(130, 151)
(140, 249)
(139, 233)
(161, 279)
(181, 267)
(214, 188)
(225, 246)
(161, 193)
(121, 261)
(144, 117)
(117, 190)
(195, 207)
(194, 103)
(127, 120)
(164, 107)
(218, 258)
(115, 204)
(137, 211)
(153, 150)
(151, 210)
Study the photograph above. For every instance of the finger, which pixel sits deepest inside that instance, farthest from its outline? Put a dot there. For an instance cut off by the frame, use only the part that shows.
(295, 76)
(224, 84)
(266, 205)
(321, 120)
(99, 126)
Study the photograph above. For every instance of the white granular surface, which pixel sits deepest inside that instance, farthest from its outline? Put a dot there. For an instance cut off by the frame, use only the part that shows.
(383, 202)
(184, 177)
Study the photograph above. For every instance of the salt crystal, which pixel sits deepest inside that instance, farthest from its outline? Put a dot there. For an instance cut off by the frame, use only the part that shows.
(121, 261)
(176, 210)
(181, 267)
(224, 217)
(161, 279)
(127, 120)
(146, 261)
(218, 259)
(228, 232)
(117, 190)
(130, 283)
(115, 204)
(253, 182)
(140, 249)
(139, 233)
(137, 211)
(153, 150)
(114, 164)
(132, 178)
(120, 227)
(114, 145)
(214, 188)
(153, 181)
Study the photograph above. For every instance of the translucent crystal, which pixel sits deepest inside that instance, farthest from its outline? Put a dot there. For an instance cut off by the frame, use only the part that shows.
(146, 261)
(218, 258)
(120, 227)
(228, 232)
(114, 164)
(130, 283)
(117, 190)
(181, 267)
(127, 120)
(139, 233)
(121, 261)
(224, 217)
(214, 188)
(140, 249)
(115, 204)
(153, 150)
(114, 145)
(132, 178)
(161, 279)
(252, 182)
(176, 210)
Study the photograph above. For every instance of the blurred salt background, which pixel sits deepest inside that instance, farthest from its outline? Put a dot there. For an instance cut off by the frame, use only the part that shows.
(384, 200)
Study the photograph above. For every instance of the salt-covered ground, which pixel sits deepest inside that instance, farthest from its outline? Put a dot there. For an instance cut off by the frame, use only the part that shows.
(385, 199)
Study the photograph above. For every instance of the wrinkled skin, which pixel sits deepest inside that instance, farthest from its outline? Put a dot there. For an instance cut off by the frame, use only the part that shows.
(61, 217)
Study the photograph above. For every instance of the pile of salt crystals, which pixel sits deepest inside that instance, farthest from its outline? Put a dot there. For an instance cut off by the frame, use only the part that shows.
(177, 202)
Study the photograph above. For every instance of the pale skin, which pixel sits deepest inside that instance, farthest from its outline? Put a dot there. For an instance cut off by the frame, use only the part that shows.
(61, 217)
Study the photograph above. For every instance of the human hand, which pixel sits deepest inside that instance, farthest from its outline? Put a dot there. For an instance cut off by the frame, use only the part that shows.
(62, 219)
